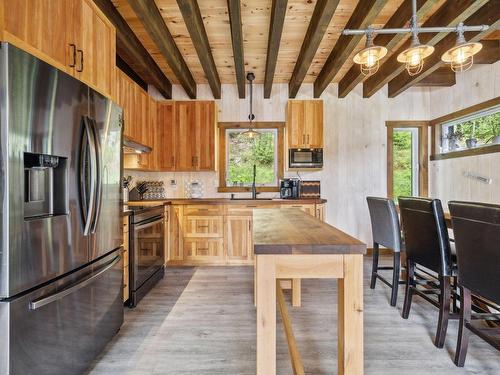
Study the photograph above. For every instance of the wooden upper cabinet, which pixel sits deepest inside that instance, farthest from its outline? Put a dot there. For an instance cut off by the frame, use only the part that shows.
(72, 35)
(185, 135)
(205, 125)
(304, 122)
(39, 27)
(165, 137)
(195, 135)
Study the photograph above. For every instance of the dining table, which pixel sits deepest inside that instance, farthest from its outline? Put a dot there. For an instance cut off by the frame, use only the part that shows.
(290, 244)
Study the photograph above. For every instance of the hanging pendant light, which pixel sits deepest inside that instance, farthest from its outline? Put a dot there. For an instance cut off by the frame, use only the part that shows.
(251, 132)
(414, 57)
(461, 56)
(369, 57)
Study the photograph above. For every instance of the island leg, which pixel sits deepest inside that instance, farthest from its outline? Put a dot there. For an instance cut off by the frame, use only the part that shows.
(350, 317)
(296, 293)
(266, 315)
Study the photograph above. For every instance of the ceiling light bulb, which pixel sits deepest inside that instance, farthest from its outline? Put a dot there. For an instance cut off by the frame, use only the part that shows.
(250, 133)
(461, 56)
(414, 56)
(369, 57)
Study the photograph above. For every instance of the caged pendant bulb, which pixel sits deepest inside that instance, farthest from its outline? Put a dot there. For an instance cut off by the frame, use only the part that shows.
(461, 56)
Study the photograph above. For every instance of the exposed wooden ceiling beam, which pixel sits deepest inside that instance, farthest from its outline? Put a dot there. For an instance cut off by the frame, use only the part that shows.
(131, 50)
(489, 54)
(442, 77)
(153, 22)
(234, 8)
(487, 15)
(278, 12)
(450, 13)
(363, 15)
(194, 23)
(399, 19)
(322, 15)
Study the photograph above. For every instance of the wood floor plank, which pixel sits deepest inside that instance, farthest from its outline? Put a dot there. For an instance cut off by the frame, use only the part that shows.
(202, 321)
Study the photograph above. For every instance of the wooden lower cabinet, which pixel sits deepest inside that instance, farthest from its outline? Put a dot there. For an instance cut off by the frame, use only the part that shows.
(204, 250)
(204, 234)
(239, 244)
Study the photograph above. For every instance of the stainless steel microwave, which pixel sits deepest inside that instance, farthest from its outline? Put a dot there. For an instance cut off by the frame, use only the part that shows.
(305, 158)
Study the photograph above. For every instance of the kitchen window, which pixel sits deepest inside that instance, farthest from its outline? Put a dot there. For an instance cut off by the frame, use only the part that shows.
(239, 154)
(407, 158)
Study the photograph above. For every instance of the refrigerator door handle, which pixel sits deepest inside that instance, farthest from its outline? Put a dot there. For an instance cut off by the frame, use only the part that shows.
(34, 305)
(98, 181)
(88, 213)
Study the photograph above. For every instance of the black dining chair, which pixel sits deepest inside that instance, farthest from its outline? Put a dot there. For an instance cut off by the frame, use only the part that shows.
(386, 232)
(427, 246)
(476, 227)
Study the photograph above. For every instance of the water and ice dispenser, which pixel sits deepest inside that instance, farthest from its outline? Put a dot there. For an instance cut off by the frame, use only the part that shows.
(45, 185)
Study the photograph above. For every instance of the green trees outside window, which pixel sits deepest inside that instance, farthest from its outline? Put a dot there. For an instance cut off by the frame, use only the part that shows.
(402, 164)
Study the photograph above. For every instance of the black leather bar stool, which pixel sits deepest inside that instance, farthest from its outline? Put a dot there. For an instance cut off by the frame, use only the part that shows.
(386, 232)
(476, 227)
(427, 245)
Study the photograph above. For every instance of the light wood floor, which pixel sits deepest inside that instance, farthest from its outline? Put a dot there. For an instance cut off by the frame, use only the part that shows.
(202, 321)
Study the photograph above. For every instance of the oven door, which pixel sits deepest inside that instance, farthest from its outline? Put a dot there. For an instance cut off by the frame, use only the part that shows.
(148, 251)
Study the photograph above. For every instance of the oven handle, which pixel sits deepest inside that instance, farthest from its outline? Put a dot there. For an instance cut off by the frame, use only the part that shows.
(148, 224)
(34, 305)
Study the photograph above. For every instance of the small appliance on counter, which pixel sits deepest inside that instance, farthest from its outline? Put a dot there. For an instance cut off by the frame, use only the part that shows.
(290, 188)
(305, 158)
(310, 189)
(126, 187)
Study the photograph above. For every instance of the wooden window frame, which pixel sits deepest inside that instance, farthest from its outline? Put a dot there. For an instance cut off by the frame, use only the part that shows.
(423, 154)
(223, 126)
(436, 132)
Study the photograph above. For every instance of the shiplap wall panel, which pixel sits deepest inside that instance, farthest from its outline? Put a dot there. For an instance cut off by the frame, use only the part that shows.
(447, 180)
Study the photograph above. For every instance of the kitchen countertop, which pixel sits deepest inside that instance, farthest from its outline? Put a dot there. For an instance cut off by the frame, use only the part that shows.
(184, 201)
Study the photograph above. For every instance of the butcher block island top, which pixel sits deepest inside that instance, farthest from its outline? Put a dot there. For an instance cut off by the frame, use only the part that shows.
(290, 244)
(290, 231)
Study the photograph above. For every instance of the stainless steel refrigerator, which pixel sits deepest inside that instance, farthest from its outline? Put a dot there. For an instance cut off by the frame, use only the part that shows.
(60, 257)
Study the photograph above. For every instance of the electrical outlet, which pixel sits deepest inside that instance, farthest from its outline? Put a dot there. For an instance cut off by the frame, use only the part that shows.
(173, 182)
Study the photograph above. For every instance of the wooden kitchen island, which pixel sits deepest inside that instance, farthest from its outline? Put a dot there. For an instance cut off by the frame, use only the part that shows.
(293, 245)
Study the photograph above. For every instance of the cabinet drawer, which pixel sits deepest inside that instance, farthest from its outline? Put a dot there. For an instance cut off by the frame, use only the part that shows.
(203, 209)
(203, 226)
(308, 208)
(200, 249)
(247, 209)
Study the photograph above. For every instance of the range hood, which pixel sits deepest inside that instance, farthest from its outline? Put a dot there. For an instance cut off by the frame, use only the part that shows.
(132, 147)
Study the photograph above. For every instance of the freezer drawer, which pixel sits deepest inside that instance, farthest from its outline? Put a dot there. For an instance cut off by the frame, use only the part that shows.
(62, 327)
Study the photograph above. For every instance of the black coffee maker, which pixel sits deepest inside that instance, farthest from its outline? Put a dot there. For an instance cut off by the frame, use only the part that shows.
(290, 188)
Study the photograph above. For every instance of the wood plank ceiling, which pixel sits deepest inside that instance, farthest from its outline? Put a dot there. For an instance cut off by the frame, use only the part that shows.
(255, 27)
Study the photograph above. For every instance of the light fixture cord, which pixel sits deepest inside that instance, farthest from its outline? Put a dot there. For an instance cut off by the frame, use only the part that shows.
(414, 23)
(250, 116)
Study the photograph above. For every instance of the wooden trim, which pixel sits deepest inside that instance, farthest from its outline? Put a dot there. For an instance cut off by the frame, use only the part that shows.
(150, 16)
(466, 111)
(448, 14)
(362, 16)
(442, 77)
(194, 23)
(303, 266)
(322, 15)
(490, 149)
(234, 9)
(297, 366)
(223, 126)
(398, 19)
(488, 14)
(278, 12)
(423, 154)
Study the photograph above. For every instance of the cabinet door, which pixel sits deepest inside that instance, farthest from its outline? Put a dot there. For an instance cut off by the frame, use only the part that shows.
(314, 123)
(209, 250)
(295, 123)
(320, 212)
(154, 156)
(205, 145)
(185, 132)
(176, 234)
(203, 226)
(239, 238)
(103, 55)
(81, 35)
(40, 27)
(141, 127)
(166, 136)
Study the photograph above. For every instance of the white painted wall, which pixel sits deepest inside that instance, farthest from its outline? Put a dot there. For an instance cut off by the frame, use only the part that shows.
(446, 177)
